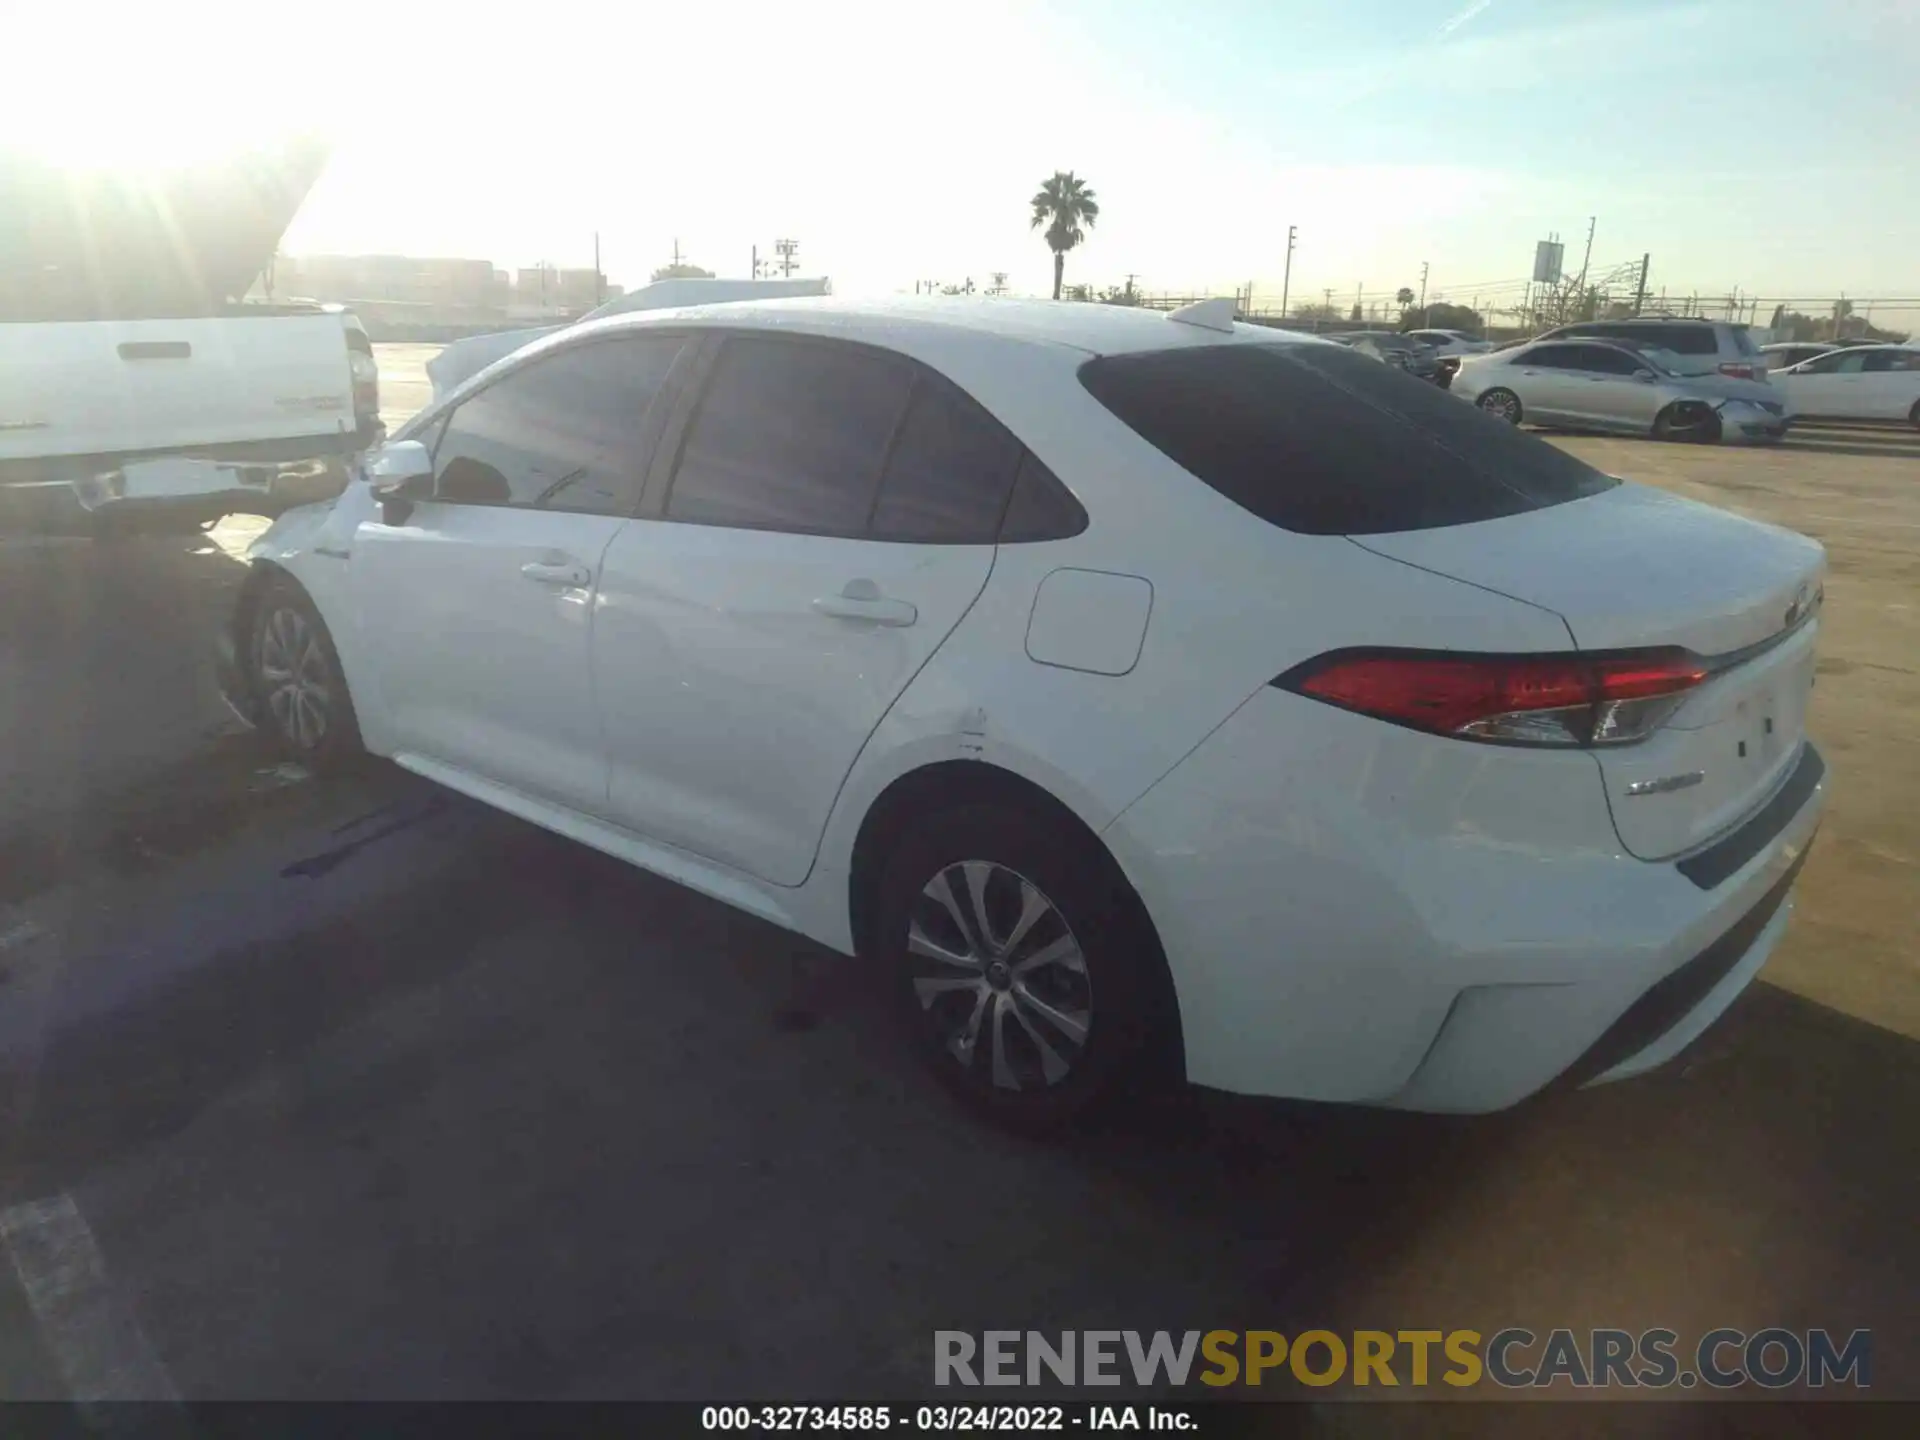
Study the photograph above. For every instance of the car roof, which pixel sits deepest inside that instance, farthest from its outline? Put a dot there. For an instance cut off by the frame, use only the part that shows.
(1092, 328)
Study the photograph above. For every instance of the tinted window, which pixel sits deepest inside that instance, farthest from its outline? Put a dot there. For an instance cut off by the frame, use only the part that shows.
(790, 436)
(562, 434)
(1605, 361)
(1041, 508)
(1685, 339)
(1553, 357)
(1743, 340)
(1883, 360)
(1320, 440)
(949, 472)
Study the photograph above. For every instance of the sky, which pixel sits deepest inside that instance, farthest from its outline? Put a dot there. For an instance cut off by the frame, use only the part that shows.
(1766, 145)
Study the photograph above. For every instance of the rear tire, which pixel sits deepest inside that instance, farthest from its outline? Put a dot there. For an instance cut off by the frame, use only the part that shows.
(1018, 963)
(299, 687)
(1502, 404)
(1913, 415)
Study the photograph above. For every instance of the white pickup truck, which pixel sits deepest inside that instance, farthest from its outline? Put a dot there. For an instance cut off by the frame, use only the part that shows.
(138, 391)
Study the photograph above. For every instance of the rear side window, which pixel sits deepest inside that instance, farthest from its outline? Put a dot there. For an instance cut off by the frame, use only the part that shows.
(1323, 441)
(1685, 339)
(790, 436)
(1041, 508)
(1743, 340)
(949, 471)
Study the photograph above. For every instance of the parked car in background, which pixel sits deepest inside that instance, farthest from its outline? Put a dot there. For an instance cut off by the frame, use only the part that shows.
(1779, 357)
(1602, 385)
(1451, 342)
(1391, 347)
(139, 389)
(1138, 692)
(1699, 347)
(1857, 382)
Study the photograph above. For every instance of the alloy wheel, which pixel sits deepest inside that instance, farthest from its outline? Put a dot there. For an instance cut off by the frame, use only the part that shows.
(999, 974)
(294, 678)
(1499, 403)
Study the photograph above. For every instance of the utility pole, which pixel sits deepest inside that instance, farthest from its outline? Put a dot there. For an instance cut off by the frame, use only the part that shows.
(1286, 280)
(1640, 290)
(1425, 317)
(1592, 220)
(599, 280)
(786, 249)
(756, 262)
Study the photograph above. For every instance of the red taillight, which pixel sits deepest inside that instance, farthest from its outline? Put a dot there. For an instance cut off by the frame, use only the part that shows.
(1739, 372)
(1517, 699)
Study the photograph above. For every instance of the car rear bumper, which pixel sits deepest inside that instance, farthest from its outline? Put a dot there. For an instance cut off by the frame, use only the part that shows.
(165, 496)
(1407, 921)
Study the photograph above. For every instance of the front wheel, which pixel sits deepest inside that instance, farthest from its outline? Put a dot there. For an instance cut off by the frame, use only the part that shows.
(298, 682)
(1501, 404)
(1688, 421)
(1026, 985)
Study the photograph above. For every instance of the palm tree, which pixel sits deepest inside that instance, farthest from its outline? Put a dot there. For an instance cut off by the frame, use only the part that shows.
(1064, 205)
(1403, 297)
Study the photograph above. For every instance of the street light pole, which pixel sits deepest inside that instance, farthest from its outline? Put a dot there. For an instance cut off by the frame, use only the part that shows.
(1426, 316)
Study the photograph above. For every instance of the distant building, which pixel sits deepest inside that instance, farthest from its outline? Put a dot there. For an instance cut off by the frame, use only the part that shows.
(549, 289)
(396, 279)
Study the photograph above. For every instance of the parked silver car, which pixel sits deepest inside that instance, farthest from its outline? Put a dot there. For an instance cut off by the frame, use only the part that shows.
(1600, 385)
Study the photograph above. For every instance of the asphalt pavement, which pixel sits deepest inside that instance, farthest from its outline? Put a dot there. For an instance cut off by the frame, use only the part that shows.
(352, 1088)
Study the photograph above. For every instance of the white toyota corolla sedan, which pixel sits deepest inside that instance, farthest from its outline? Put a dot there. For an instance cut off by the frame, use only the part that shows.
(1138, 689)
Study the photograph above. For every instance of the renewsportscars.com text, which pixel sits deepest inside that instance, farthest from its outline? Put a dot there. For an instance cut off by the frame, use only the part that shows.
(1513, 1358)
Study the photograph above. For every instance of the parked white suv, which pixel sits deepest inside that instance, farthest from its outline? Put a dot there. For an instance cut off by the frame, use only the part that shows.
(1130, 686)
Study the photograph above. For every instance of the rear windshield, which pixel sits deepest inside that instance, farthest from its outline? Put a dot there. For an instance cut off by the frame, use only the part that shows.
(1322, 440)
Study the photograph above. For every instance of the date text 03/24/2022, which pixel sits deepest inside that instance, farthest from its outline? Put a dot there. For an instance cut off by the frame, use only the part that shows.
(944, 1418)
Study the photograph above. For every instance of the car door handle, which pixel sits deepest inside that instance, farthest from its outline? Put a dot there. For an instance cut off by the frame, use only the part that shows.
(862, 600)
(561, 572)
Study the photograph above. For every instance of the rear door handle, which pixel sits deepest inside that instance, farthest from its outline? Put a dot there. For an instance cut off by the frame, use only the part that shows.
(557, 572)
(862, 600)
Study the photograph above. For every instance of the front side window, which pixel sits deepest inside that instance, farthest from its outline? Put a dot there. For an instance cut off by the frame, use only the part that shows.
(790, 435)
(564, 433)
(1552, 357)
(1605, 360)
(1881, 361)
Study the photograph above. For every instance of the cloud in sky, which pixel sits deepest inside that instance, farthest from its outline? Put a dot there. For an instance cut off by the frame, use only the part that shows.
(1462, 16)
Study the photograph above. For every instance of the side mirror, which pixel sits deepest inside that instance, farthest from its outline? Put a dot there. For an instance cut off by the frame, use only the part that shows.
(401, 475)
(1645, 377)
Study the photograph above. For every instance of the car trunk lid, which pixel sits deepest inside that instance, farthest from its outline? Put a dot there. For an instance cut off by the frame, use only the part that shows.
(1636, 567)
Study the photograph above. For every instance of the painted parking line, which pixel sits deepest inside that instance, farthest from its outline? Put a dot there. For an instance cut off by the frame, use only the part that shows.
(87, 1328)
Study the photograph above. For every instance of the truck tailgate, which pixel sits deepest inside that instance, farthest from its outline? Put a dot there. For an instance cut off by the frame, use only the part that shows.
(130, 387)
